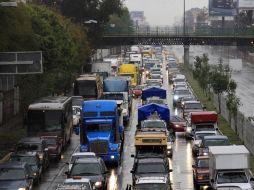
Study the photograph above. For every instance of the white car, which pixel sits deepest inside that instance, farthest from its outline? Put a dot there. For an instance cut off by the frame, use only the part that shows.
(78, 155)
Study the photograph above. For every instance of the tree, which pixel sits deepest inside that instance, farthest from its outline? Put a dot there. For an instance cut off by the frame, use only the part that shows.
(219, 81)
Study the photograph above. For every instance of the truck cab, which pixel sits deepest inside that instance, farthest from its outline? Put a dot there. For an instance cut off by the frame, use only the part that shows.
(100, 131)
(201, 121)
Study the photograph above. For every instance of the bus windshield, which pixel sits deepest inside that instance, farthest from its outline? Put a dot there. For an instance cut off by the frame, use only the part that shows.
(85, 88)
(44, 121)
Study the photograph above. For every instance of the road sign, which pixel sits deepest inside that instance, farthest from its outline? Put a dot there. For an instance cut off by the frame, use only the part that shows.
(21, 62)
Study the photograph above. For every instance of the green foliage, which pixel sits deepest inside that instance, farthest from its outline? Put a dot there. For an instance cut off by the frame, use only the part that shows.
(64, 46)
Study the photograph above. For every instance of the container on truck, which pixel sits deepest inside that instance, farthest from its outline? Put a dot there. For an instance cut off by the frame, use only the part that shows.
(102, 131)
(129, 70)
(229, 166)
(117, 88)
(89, 86)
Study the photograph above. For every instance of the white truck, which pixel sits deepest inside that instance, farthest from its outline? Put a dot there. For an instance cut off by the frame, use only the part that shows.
(229, 166)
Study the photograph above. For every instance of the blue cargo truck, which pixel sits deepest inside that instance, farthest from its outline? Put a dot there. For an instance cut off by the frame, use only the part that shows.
(101, 130)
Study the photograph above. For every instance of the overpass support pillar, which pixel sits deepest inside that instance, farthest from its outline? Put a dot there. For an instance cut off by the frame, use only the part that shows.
(186, 54)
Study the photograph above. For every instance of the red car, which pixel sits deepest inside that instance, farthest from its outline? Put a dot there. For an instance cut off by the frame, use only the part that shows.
(55, 146)
(201, 172)
(137, 91)
(177, 124)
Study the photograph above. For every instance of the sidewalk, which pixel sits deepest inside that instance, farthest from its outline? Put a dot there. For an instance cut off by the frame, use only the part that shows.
(10, 133)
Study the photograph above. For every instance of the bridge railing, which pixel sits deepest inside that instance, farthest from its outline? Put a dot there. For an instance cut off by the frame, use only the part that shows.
(178, 31)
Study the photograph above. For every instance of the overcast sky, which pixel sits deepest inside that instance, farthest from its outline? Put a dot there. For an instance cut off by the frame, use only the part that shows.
(163, 12)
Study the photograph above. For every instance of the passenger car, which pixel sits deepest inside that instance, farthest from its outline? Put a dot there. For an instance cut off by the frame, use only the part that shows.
(191, 106)
(35, 144)
(55, 146)
(151, 183)
(78, 155)
(91, 168)
(178, 94)
(214, 140)
(137, 91)
(200, 170)
(150, 166)
(33, 160)
(197, 139)
(177, 124)
(16, 175)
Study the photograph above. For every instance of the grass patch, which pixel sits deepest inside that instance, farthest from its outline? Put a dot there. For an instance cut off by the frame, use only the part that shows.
(223, 124)
(9, 137)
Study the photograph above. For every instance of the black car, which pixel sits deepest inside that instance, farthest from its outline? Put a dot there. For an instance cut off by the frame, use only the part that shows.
(35, 144)
(15, 175)
(91, 168)
(150, 166)
(33, 160)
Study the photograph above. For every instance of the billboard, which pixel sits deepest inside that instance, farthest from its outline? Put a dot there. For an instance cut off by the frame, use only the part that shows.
(223, 7)
(246, 4)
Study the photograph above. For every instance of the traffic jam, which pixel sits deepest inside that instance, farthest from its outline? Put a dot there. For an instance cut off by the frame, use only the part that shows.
(100, 113)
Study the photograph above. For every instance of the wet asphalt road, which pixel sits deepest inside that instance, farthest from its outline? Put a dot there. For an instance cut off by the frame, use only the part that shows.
(181, 163)
(244, 79)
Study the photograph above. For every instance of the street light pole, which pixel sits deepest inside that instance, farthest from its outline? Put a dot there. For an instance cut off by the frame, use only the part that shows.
(183, 17)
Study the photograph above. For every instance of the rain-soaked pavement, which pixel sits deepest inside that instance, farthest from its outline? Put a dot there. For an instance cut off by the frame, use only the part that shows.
(181, 163)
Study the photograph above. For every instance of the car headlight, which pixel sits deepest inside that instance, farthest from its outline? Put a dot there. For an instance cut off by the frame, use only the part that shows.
(98, 184)
(188, 129)
(176, 97)
(34, 174)
(23, 188)
(41, 156)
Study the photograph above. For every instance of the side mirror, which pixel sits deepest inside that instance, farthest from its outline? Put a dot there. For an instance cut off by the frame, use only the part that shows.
(170, 170)
(204, 107)
(132, 155)
(251, 179)
(76, 130)
(67, 173)
(193, 166)
(67, 163)
(132, 171)
(106, 172)
(217, 129)
(212, 180)
(46, 149)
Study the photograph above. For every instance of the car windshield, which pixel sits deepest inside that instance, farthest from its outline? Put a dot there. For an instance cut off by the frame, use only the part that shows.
(231, 177)
(216, 142)
(73, 158)
(154, 124)
(193, 106)
(83, 169)
(151, 186)
(50, 141)
(181, 92)
(31, 160)
(200, 136)
(205, 127)
(151, 168)
(101, 127)
(155, 77)
(176, 119)
(12, 174)
(84, 185)
(29, 147)
(203, 163)
(179, 80)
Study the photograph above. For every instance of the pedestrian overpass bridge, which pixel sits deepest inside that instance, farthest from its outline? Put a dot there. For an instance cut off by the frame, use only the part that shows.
(176, 36)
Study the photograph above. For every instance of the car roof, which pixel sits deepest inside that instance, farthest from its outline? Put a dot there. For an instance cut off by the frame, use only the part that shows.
(192, 102)
(82, 179)
(84, 154)
(151, 160)
(30, 139)
(87, 160)
(202, 132)
(215, 137)
(13, 164)
(181, 88)
(24, 154)
(145, 180)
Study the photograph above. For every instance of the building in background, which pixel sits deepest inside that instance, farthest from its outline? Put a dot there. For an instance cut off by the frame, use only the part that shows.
(139, 20)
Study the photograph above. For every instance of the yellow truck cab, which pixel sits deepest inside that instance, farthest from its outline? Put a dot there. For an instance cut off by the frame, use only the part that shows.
(129, 70)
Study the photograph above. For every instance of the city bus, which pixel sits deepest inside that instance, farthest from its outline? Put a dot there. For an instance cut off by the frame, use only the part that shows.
(50, 116)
